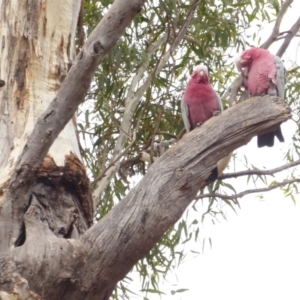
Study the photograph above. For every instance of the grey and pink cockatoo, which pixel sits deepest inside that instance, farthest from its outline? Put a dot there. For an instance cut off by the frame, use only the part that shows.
(200, 102)
(265, 74)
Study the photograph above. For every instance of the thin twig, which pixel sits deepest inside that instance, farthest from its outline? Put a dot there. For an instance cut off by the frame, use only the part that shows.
(167, 134)
(116, 159)
(244, 193)
(260, 172)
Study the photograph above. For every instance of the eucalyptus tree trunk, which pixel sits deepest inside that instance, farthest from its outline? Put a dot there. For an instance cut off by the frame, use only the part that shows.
(37, 43)
(37, 50)
(48, 246)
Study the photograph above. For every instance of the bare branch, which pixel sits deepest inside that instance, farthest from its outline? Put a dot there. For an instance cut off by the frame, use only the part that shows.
(275, 33)
(160, 146)
(169, 186)
(126, 166)
(167, 134)
(247, 192)
(283, 37)
(260, 172)
(132, 100)
(292, 32)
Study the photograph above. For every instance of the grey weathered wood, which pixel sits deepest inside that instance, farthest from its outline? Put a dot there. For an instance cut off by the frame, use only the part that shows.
(90, 267)
(172, 182)
(60, 111)
(78, 80)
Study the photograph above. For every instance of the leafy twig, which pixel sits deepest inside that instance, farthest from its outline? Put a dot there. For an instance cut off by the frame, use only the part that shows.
(116, 159)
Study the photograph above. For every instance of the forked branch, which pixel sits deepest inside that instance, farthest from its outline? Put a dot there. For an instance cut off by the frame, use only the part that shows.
(169, 186)
(275, 33)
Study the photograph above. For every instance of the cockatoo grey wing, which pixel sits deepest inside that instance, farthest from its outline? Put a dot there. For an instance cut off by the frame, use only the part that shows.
(280, 77)
(185, 115)
(220, 102)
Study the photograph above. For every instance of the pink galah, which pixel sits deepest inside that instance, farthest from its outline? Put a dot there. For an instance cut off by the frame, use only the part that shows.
(265, 74)
(200, 102)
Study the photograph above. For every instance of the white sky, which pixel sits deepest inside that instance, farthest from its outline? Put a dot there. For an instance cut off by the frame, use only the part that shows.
(256, 253)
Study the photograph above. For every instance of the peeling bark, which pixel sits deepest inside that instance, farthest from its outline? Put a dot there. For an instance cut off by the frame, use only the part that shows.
(37, 50)
(51, 122)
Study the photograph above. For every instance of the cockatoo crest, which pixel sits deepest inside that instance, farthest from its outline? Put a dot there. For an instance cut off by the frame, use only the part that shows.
(201, 68)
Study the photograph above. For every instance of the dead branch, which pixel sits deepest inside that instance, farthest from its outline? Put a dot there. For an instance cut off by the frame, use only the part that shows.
(292, 32)
(89, 267)
(247, 192)
(126, 166)
(275, 33)
(171, 183)
(260, 172)
(167, 134)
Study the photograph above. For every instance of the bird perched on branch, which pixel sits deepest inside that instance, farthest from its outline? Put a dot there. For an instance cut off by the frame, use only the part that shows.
(200, 102)
(265, 74)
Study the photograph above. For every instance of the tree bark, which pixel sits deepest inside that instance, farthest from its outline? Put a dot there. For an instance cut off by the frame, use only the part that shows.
(57, 115)
(45, 195)
(91, 266)
(37, 50)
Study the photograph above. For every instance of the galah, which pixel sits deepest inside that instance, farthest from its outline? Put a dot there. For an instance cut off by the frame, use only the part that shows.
(265, 74)
(200, 102)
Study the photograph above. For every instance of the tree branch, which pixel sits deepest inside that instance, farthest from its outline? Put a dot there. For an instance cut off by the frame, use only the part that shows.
(126, 165)
(292, 32)
(259, 172)
(117, 158)
(275, 33)
(171, 183)
(132, 100)
(60, 111)
(247, 192)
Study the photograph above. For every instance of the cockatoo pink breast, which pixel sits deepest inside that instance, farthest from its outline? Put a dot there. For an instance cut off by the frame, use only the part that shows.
(261, 70)
(199, 103)
(200, 98)
(264, 74)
